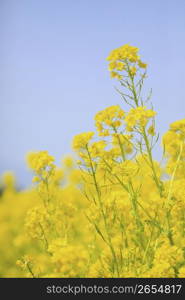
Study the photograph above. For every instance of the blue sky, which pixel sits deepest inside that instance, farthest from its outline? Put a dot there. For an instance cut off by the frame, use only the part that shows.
(53, 72)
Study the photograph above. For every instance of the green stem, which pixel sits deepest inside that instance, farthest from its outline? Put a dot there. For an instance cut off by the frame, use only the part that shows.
(43, 233)
(133, 197)
(30, 270)
(157, 181)
(102, 211)
(120, 145)
(170, 236)
(132, 88)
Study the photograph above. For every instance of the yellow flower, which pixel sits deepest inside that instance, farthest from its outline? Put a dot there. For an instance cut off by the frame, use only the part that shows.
(38, 161)
(138, 116)
(125, 59)
(8, 179)
(118, 211)
(68, 162)
(112, 117)
(133, 71)
(181, 273)
(151, 130)
(142, 64)
(114, 74)
(123, 53)
(81, 141)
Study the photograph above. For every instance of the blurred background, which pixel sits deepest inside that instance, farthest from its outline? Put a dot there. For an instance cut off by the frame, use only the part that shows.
(53, 72)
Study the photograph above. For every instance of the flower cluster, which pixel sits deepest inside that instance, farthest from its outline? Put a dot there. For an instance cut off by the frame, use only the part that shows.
(138, 117)
(174, 145)
(125, 58)
(109, 118)
(41, 163)
(80, 141)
